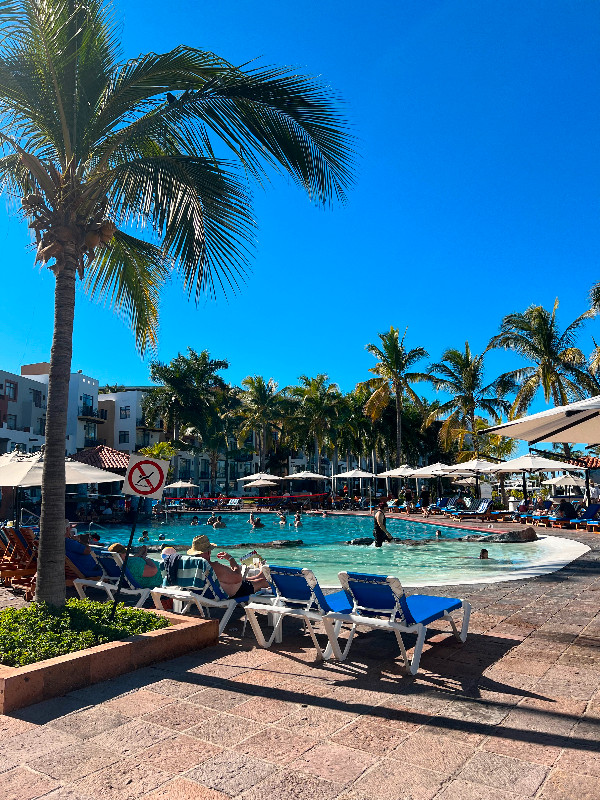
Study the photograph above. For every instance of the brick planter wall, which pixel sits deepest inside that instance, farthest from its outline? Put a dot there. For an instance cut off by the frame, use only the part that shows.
(22, 686)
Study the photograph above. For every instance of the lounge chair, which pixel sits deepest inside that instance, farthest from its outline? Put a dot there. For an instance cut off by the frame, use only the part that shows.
(589, 515)
(440, 506)
(481, 509)
(296, 593)
(197, 585)
(380, 602)
(111, 564)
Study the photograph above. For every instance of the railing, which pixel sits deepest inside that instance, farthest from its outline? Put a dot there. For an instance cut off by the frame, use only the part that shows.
(95, 413)
(91, 442)
(185, 476)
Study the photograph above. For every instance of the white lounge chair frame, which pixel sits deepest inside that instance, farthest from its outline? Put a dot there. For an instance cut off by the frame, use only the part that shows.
(108, 583)
(395, 622)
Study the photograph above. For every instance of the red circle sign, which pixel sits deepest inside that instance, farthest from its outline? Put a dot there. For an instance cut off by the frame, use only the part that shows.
(146, 477)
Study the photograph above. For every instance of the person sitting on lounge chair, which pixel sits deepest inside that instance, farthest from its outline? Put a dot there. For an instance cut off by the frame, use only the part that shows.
(565, 510)
(144, 570)
(229, 577)
(79, 555)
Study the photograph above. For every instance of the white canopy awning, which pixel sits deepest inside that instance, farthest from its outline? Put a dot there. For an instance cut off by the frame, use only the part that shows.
(533, 463)
(565, 480)
(576, 422)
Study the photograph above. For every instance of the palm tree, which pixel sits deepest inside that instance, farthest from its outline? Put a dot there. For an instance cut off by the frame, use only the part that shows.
(393, 378)
(262, 412)
(461, 374)
(188, 394)
(316, 411)
(99, 150)
(555, 365)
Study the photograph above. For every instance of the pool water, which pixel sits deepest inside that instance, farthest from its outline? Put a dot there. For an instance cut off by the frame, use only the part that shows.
(434, 562)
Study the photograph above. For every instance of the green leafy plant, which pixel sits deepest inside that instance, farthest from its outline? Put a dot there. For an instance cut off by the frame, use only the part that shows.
(39, 631)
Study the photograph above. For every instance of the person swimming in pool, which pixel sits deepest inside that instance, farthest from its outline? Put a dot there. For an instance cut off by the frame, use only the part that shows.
(484, 554)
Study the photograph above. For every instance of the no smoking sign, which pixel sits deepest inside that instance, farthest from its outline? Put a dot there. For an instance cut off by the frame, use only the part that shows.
(145, 477)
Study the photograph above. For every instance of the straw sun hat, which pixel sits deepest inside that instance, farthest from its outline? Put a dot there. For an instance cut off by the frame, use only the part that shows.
(200, 544)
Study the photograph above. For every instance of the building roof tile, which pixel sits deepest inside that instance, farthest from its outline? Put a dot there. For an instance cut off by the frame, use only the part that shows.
(104, 457)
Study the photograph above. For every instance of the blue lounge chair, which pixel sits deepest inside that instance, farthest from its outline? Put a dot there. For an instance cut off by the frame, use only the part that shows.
(589, 515)
(380, 602)
(296, 593)
(197, 585)
(480, 509)
(111, 564)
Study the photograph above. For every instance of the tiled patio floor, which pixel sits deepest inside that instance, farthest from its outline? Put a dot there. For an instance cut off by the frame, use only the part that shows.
(514, 713)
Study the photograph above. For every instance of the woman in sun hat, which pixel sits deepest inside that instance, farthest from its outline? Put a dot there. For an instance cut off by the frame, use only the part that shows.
(229, 577)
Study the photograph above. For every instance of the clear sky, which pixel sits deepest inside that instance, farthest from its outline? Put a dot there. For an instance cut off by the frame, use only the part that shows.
(477, 192)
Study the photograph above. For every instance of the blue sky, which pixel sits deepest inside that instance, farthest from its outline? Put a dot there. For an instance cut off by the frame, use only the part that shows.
(477, 189)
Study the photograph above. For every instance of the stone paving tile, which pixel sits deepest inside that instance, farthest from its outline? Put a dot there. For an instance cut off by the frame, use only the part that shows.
(72, 763)
(137, 703)
(33, 744)
(265, 709)
(276, 745)
(570, 786)
(318, 722)
(178, 753)
(179, 715)
(465, 790)
(440, 753)
(539, 748)
(129, 739)
(11, 726)
(391, 780)
(224, 728)
(90, 722)
(128, 779)
(231, 773)
(50, 710)
(334, 762)
(182, 789)
(502, 772)
(176, 688)
(219, 699)
(292, 786)
(24, 784)
(65, 793)
(364, 734)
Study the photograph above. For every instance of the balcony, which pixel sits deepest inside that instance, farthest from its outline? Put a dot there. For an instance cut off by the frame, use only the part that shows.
(148, 426)
(95, 414)
(91, 442)
(185, 475)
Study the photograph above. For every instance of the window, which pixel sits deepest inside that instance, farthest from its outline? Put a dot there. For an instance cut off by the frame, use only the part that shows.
(41, 427)
(123, 436)
(125, 412)
(146, 439)
(88, 402)
(11, 422)
(36, 396)
(11, 390)
(89, 430)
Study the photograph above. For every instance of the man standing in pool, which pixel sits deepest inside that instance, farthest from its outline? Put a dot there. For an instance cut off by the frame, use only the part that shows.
(380, 532)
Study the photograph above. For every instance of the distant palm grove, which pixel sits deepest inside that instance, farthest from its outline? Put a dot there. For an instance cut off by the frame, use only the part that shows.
(383, 421)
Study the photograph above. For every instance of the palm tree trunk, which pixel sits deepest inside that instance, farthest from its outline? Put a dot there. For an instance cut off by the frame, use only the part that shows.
(398, 425)
(50, 582)
(474, 437)
(317, 454)
(503, 492)
(263, 448)
(226, 467)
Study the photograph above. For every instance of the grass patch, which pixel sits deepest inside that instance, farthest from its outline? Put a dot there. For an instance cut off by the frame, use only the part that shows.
(39, 631)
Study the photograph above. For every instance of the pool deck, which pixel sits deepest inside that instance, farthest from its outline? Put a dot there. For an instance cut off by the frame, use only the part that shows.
(513, 713)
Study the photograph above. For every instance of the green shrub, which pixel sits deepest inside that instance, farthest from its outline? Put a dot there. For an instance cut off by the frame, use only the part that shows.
(38, 632)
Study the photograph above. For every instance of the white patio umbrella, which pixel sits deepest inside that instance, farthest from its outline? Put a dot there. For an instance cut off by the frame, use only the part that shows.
(306, 476)
(475, 465)
(182, 485)
(533, 463)
(259, 476)
(355, 473)
(260, 484)
(565, 480)
(398, 472)
(27, 471)
(576, 422)
(430, 471)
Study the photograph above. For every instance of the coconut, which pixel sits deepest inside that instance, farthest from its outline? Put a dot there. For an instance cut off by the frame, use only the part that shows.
(92, 239)
(64, 233)
(107, 230)
(51, 251)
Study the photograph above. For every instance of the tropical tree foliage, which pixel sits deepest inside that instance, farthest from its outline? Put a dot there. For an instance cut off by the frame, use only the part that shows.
(394, 378)
(315, 412)
(556, 365)
(460, 373)
(262, 411)
(129, 171)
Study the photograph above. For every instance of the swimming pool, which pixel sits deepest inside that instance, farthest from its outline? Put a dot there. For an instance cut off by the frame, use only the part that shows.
(431, 563)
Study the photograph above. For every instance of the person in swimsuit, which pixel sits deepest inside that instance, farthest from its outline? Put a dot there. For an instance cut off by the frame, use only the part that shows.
(380, 532)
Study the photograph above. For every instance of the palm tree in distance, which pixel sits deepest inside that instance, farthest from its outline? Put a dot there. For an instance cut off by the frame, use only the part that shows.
(461, 374)
(101, 150)
(556, 365)
(262, 412)
(393, 378)
(316, 411)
